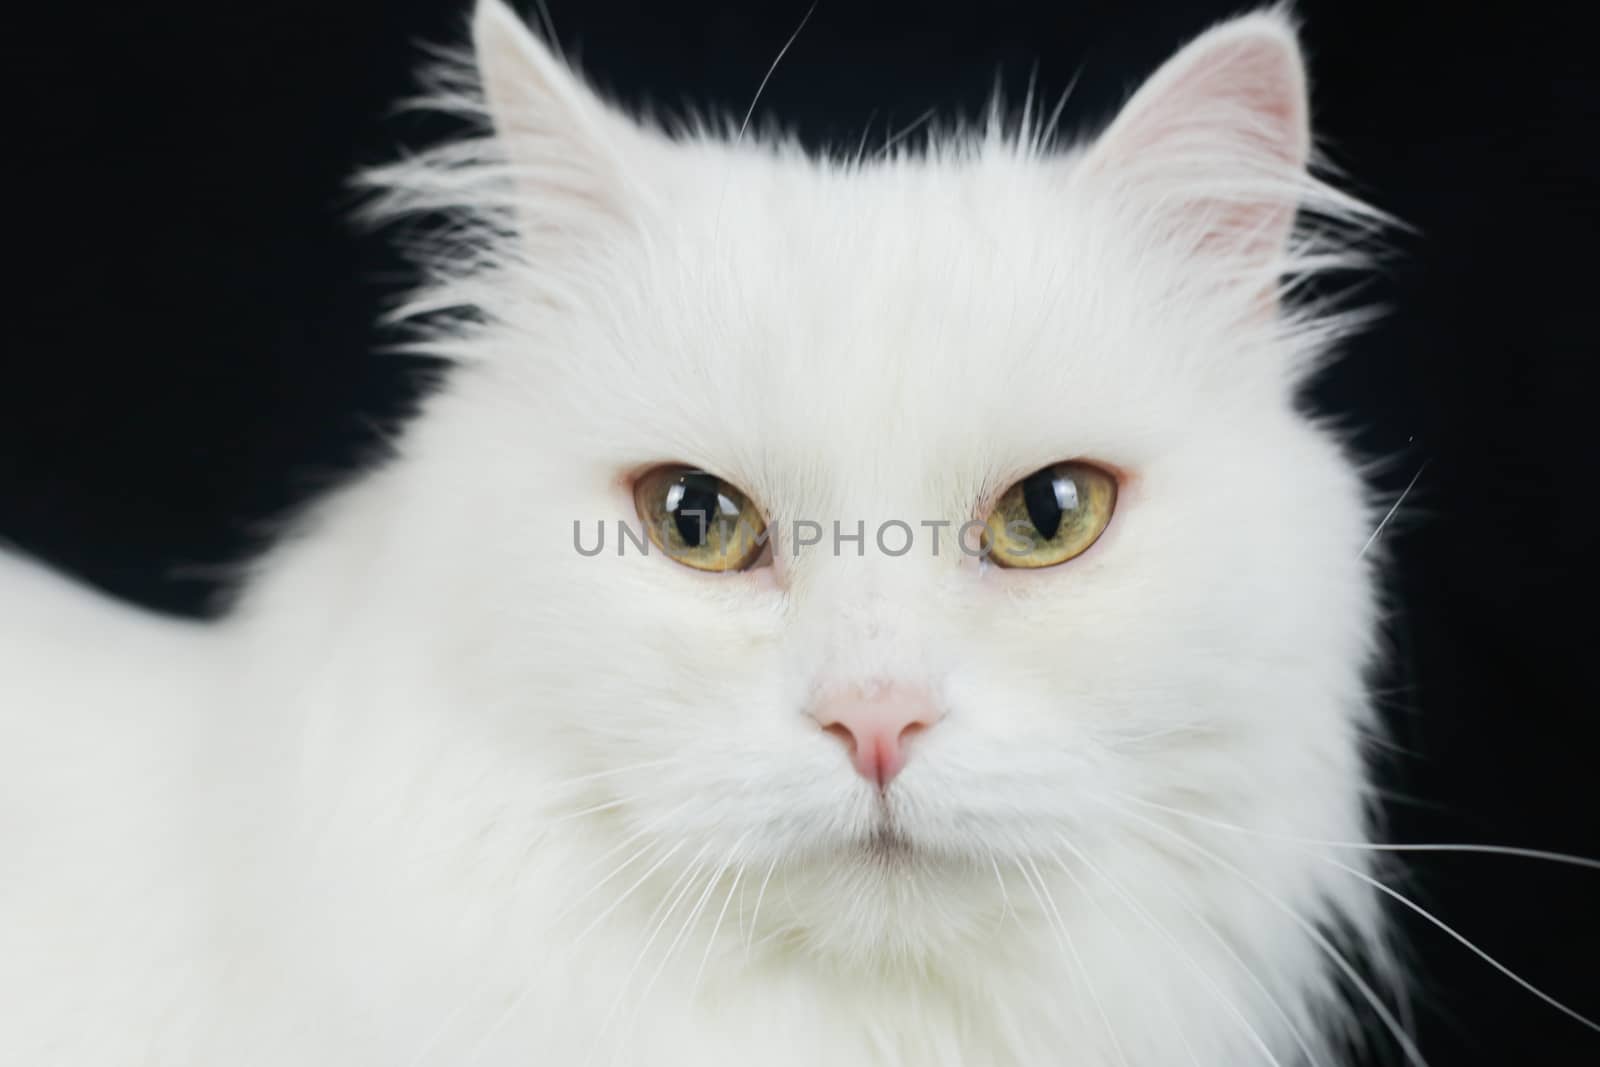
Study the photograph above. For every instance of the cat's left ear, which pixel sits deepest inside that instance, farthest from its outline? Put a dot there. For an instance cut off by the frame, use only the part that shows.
(1211, 153)
(566, 148)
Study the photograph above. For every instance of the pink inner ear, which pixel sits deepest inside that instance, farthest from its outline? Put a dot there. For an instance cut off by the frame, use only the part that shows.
(1216, 143)
(1248, 91)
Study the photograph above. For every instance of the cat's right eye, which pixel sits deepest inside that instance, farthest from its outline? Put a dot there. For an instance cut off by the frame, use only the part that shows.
(700, 520)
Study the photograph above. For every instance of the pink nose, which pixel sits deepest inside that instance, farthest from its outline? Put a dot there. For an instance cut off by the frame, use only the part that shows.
(875, 723)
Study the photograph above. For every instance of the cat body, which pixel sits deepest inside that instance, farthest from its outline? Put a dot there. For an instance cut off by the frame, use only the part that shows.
(445, 790)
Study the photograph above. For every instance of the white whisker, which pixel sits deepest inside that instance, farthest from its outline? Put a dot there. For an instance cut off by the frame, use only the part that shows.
(745, 125)
(1005, 896)
(689, 923)
(598, 919)
(609, 805)
(612, 772)
(1464, 941)
(755, 914)
(1060, 926)
(1301, 843)
(1392, 510)
(450, 1020)
(890, 141)
(716, 927)
(866, 132)
(1381, 846)
(517, 1002)
(1166, 1002)
(1407, 1044)
(648, 828)
(1206, 978)
(657, 923)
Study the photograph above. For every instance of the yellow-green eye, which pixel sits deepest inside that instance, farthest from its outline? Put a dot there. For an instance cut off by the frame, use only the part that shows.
(700, 520)
(1050, 516)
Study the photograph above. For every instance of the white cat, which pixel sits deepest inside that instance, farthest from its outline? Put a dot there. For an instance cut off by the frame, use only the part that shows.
(445, 789)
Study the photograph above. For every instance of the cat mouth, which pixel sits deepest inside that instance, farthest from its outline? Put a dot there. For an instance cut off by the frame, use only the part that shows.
(887, 850)
(886, 843)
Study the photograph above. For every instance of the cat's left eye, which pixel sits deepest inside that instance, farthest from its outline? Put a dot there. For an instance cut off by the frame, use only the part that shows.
(700, 520)
(1051, 516)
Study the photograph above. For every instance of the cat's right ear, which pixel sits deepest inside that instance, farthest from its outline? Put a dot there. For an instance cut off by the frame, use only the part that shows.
(564, 146)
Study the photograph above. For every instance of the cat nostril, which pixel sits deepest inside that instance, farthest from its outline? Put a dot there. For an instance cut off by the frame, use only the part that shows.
(842, 732)
(912, 728)
(876, 725)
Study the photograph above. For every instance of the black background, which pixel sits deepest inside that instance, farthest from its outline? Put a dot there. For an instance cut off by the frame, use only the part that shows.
(191, 353)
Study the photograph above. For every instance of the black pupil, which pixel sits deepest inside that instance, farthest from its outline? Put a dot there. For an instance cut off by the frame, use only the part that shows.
(697, 508)
(1044, 506)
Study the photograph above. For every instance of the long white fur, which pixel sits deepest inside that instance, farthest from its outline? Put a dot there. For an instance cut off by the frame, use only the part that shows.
(444, 791)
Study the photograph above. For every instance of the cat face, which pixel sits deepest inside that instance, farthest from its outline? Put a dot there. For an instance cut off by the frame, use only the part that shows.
(901, 341)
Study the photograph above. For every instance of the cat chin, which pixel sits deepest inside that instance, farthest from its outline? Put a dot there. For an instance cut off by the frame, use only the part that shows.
(885, 905)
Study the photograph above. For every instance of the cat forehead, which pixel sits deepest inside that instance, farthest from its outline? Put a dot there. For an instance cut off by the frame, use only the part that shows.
(958, 292)
(816, 338)
(931, 228)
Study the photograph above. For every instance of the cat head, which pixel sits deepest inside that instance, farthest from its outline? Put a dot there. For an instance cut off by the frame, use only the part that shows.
(859, 356)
